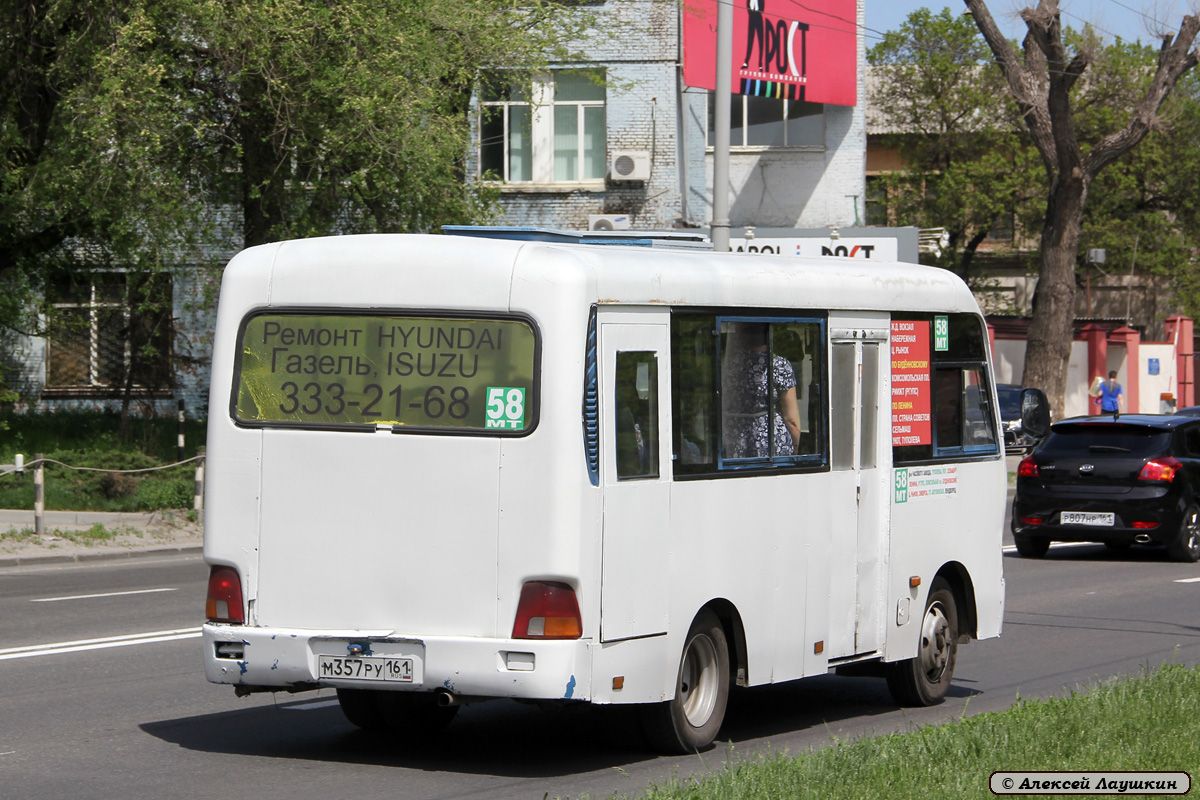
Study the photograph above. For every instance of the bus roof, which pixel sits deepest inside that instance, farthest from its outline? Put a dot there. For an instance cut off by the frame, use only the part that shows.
(469, 272)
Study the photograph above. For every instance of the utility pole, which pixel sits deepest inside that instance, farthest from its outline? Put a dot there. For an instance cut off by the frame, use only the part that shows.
(720, 207)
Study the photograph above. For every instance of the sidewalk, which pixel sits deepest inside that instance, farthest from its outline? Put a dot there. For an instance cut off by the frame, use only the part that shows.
(133, 534)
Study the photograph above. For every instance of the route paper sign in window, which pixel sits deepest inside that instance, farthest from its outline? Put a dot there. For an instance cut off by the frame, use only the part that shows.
(339, 370)
(910, 383)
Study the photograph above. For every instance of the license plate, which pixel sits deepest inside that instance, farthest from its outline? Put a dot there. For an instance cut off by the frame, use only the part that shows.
(1087, 518)
(365, 668)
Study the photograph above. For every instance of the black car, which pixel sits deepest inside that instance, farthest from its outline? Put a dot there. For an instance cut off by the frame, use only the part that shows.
(1116, 479)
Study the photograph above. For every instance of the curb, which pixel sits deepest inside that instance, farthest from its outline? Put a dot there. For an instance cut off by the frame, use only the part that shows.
(84, 558)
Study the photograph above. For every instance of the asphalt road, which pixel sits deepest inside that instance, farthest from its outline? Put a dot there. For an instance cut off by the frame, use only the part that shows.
(133, 717)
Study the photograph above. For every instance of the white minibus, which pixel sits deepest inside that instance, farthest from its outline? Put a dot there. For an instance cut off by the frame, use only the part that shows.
(444, 469)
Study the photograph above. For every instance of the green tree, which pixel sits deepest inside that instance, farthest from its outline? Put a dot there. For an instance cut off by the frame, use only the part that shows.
(146, 134)
(1045, 81)
(941, 99)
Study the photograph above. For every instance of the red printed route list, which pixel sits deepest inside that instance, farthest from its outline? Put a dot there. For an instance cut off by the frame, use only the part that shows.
(910, 384)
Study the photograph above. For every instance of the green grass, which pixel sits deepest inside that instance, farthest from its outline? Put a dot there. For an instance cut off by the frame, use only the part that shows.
(1149, 722)
(91, 440)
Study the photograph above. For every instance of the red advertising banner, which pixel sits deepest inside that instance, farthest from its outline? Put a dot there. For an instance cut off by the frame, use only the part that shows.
(911, 391)
(789, 49)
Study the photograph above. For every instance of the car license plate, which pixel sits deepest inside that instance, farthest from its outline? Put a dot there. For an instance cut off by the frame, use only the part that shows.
(1087, 518)
(365, 668)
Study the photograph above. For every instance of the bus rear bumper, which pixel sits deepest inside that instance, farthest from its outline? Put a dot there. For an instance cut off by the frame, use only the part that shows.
(284, 659)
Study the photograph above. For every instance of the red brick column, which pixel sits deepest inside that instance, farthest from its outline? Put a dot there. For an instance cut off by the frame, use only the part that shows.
(1131, 339)
(1097, 358)
(1181, 332)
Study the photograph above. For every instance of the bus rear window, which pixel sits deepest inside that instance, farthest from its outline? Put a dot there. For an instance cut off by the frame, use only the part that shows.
(431, 373)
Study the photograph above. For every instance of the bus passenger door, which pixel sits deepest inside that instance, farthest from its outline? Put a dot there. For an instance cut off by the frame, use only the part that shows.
(857, 455)
(635, 471)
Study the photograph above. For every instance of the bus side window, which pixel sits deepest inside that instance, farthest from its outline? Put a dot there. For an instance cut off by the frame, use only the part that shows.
(961, 409)
(636, 405)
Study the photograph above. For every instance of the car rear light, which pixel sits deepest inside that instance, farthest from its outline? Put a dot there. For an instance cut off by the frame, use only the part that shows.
(1145, 526)
(1027, 468)
(1033, 520)
(547, 610)
(1160, 469)
(224, 603)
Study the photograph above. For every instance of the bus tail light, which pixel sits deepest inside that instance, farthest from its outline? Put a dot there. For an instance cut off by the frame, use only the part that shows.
(1028, 468)
(547, 610)
(224, 602)
(1160, 469)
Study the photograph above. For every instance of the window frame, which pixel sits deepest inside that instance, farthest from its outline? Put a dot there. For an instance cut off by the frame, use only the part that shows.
(94, 306)
(968, 352)
(543, 107)
(721, 466)
(744, 126)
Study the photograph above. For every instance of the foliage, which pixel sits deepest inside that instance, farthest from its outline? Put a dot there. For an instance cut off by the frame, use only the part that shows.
(145, 133)
(1053, 82)
(968, 164)
(1144, 210)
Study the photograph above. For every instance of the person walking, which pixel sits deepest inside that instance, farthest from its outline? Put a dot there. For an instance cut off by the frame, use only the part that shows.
(1112, 398)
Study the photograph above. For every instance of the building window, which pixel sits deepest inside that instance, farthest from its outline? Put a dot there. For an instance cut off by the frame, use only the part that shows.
(767, 122)
(107, 328)
(876, 201)
(549, 131)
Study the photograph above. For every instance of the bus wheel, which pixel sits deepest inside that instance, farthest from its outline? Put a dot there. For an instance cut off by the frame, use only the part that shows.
(691, 720)
(924, 680)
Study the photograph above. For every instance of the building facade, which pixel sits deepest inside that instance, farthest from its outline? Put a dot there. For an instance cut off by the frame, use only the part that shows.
(617, 140)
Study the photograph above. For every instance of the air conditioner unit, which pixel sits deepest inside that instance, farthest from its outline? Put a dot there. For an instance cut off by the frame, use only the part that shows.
(608, 222)
(629, 165)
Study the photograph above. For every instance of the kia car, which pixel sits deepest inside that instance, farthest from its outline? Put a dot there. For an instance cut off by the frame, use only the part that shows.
(1120, 480)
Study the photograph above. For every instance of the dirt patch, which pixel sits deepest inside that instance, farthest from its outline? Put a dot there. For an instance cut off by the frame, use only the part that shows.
(162, 530)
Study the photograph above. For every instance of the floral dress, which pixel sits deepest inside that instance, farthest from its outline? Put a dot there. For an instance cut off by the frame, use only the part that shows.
(748, 416)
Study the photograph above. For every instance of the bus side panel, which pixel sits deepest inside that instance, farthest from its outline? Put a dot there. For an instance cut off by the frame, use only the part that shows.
(549, 512)
(726, 543)
(929, 533)
(233, 461)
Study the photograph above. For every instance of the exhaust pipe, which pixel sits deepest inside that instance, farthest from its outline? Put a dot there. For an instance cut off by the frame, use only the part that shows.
(1142, 538)
(448, 699)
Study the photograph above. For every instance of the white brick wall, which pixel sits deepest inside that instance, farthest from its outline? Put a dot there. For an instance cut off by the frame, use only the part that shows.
(648, 108)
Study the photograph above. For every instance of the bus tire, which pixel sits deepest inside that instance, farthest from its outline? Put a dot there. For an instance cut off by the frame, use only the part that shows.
(924, 680)
(362, 708)
(690, 721)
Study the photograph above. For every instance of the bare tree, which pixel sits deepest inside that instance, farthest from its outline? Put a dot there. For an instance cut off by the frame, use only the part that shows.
(1041, 83)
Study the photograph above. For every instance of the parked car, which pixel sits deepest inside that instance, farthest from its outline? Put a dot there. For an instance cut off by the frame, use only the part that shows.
(1188, 411)
(1119, 480)
(1016, 439)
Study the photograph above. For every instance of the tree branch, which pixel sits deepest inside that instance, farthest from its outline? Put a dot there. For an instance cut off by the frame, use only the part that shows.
(1175, 58)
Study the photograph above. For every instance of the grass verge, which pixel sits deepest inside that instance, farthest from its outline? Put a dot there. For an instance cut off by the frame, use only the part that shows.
(97, 534)
(106, 483)
(1146, 722)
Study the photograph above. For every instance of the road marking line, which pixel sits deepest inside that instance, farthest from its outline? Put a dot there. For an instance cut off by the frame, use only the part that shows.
(106, 594)
(312, 706)
(1188, 580)
(81, 645)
